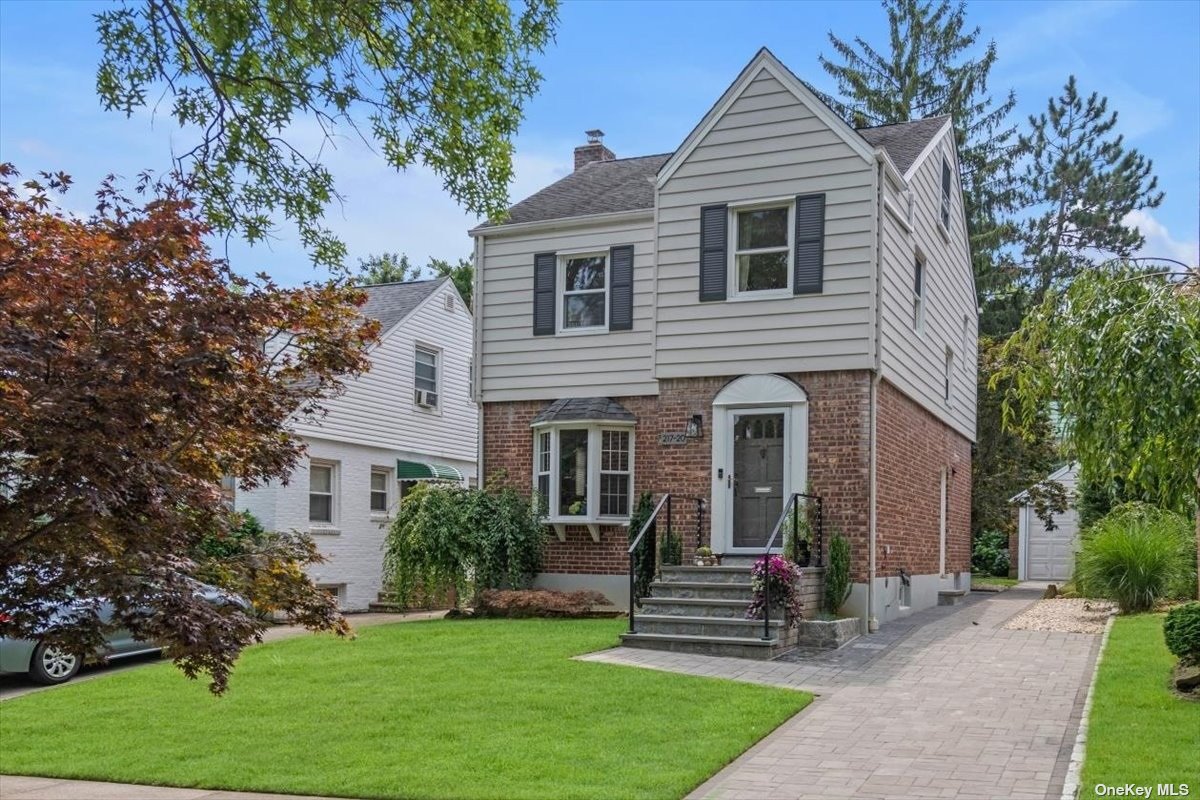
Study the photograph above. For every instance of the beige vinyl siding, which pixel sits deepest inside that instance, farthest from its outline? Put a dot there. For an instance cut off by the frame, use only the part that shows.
(915, 362)
(516, 365)
(378, 408)
(767, 144)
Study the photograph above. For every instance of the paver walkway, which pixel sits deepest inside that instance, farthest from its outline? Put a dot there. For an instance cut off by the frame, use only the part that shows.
(14, 787)
(953, 707)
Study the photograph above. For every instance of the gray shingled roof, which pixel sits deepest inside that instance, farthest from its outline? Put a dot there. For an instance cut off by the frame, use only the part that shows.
(904, 141)
(584, 408)
(627, 184)
(391, 302)
(600, 187)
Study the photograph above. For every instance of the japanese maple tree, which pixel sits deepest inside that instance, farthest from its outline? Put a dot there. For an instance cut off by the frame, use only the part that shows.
(135, 371)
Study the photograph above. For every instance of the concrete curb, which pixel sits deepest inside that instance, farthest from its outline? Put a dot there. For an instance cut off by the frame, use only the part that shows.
(1071, 785)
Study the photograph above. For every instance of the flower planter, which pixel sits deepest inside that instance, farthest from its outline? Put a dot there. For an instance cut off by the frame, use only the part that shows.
(829, 634)
(707, 561)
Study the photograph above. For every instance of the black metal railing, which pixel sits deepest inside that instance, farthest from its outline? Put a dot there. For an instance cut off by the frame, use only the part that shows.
(792, 508)
(651, 526)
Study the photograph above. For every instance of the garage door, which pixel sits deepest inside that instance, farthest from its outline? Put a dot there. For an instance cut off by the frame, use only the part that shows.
(1050, 554)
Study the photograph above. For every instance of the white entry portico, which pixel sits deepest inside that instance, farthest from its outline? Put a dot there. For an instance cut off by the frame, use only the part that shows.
(759, 458)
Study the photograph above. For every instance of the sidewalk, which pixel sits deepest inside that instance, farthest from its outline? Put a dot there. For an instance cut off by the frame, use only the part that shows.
(20, 788)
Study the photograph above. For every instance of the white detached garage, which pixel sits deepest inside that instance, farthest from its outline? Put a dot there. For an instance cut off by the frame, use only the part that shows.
(1045, 554)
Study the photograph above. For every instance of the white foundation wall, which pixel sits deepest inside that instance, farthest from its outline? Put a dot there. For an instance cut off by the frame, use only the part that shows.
(353, 542)
(892, 602)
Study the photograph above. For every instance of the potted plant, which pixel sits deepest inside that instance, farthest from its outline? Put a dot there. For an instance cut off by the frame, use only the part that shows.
(705, 557)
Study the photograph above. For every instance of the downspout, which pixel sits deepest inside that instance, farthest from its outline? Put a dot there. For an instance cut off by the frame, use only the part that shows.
(871, 622)
(476, 352)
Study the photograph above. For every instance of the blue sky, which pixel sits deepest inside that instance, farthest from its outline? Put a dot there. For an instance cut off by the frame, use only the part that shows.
(643, 72)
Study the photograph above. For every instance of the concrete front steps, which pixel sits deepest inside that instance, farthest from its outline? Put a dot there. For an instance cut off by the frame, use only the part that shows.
(703, 610)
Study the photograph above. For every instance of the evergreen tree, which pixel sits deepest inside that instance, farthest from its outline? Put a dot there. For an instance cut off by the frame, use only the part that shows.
(1079, 185)
(924, 72)
(386, 268)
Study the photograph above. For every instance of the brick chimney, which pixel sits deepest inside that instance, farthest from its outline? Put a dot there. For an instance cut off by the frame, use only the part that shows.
(594, 150)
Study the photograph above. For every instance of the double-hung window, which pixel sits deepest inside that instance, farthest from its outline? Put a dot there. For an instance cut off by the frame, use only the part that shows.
(584, 301)
(380, 478)
(426, 368)
(321, 484)
(583, 471)
(762, 249)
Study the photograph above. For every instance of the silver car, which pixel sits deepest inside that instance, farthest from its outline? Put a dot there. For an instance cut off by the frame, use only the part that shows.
(48, 664)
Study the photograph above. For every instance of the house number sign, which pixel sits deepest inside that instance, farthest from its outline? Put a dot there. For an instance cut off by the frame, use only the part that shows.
(672, 438)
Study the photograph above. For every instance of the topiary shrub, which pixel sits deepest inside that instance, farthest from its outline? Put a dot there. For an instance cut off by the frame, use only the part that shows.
(989, 555)
(1181, 629)
(643, 557)
(837, 574)
(1136, 555)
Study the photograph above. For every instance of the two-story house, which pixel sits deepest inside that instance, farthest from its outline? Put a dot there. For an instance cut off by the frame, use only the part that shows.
(783, 303)
(410, 418)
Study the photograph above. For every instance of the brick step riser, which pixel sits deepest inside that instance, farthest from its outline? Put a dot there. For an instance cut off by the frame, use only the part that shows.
(705, 575)
(714, 591)
(711, 648)
(713, 627)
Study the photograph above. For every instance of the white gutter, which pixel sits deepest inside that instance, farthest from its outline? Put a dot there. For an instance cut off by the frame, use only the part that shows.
(477, 354)
(564, 222)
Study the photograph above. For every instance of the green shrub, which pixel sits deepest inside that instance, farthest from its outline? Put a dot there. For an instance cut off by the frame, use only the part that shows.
(470, 539)
(1181, 629)
(643, 557)
(1136, 555)
(837, 574)
(989, 554)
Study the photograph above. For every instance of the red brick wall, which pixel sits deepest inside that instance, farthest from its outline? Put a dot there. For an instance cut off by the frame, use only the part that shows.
(914, 446)
(838, 462)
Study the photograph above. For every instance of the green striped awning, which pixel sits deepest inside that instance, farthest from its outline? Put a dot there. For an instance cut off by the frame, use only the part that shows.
(420, 471)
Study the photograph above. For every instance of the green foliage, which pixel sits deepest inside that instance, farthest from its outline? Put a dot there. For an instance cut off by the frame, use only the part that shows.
(386, 268)
(1079, 185)
(1181, 630)
(643, 558)
(461, 274)
(933, 64)
(1119, 351)
(837, 574)
(989, 554)
(670, 550)
(470, 539)
(435, 82)
(1137, 555)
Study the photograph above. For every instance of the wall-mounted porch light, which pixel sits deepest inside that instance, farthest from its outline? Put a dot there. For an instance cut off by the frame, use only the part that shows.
(695, 426)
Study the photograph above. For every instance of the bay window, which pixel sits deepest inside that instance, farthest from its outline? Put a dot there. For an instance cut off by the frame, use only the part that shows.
(583, 471)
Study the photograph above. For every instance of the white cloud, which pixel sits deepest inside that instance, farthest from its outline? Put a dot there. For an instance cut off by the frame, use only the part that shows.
(1159, 242)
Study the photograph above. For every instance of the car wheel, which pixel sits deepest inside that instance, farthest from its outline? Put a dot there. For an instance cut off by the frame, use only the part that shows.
(51, 664)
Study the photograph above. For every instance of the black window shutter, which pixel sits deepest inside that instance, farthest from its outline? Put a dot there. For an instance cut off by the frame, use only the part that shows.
(620, 291)
(809, 268)
(545, 266)
(714, 220)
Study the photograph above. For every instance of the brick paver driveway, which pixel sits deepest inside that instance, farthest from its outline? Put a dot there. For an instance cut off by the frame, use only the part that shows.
(954, 706)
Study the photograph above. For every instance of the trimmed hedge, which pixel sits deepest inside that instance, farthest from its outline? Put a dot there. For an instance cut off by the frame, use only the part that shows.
(1181, 629)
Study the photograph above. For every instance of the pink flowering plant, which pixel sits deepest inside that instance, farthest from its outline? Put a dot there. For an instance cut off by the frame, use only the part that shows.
(784, 576)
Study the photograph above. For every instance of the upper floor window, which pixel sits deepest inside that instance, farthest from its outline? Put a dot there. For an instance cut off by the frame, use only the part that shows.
(918, 318)
(946, 184)
(321, 482)
(584, 302)
(762, 249)
(426, 370)
(949, 373)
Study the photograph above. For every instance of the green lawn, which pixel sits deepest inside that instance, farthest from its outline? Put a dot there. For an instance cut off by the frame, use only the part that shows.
(992, 580)
(1139, 732)
(446, 709)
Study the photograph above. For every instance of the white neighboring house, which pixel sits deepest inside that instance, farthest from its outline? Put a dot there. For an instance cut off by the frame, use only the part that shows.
(409, 419)
(1043, 554)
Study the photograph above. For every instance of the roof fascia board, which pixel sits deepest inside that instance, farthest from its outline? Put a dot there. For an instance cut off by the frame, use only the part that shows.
(484, 231)
(764, 60)
(933, 144)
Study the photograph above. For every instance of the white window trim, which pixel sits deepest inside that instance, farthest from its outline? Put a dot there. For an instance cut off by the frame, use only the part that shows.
(389, 484)
(732, 292)
(948, 378)
(560, 290)
(438, 381)
(331, 526)
(918, 298)
(946, 199)
(595, 439)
